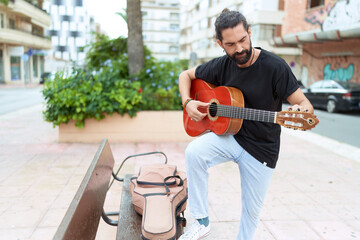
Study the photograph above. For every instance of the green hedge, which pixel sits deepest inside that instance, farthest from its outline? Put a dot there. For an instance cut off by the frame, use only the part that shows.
(105, 87)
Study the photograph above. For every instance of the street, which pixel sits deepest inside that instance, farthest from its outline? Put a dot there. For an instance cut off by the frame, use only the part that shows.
(343, 127)
(16, 98)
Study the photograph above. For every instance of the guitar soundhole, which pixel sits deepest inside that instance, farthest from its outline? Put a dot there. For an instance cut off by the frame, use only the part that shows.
(213, 109)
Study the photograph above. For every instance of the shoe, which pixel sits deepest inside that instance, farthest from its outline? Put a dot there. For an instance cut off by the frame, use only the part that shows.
(195, 232)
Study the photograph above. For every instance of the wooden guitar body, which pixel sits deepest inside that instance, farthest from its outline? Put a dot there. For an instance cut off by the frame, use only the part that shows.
(206, 92)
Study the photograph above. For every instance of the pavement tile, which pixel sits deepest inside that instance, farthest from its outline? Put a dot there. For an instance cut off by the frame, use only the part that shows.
(34, 202)
(16, 233)
(313, 212)
(334, 230)
(354, 224)
(29, 218)
(52, 218)
(345, 211)
(263, 233)
(42, 233)
(277, 212)
(285, 230)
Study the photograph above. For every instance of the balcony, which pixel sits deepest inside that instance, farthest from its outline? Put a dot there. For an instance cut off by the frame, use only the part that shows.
(37, 15)
(18, 37)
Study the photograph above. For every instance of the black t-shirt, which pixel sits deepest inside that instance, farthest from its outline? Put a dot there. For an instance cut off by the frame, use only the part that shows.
(264, 85)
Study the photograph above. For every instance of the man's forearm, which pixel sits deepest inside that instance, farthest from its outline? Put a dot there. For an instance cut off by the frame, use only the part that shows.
(185, 79)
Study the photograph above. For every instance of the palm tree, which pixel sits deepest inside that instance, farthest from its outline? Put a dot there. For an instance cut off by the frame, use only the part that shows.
(135, 40)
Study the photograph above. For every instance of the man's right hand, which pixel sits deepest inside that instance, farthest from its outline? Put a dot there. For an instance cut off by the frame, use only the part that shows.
(196, 110)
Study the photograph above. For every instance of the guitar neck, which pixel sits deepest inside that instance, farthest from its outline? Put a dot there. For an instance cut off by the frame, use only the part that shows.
(246, 113)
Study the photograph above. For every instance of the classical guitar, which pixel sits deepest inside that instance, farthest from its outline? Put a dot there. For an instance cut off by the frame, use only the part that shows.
(226, 112)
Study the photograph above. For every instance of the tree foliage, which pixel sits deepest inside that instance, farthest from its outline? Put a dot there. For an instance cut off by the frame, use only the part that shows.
(5, 2)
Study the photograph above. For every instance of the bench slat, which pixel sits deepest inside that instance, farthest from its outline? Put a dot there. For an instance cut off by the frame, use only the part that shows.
(129, 221)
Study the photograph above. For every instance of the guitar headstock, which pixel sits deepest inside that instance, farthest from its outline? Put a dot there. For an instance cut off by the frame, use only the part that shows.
(296, 120)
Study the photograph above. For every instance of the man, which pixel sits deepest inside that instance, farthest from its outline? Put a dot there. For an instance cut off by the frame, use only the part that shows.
(265, 80)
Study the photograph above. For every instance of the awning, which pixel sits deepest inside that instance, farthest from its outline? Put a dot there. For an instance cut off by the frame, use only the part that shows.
(316, 36)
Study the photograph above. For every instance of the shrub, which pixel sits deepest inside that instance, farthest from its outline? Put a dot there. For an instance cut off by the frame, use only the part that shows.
(83, 95)
(105, 87)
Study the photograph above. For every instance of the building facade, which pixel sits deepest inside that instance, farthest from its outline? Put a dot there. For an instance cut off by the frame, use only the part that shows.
(265, 17)
(328, 33)
(22, 41)
(70, 32)
(161, 28)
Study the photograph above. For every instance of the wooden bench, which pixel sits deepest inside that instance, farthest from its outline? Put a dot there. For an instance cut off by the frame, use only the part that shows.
(82, 218)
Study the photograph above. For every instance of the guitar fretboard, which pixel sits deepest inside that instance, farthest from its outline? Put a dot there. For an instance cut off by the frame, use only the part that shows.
(245, 113)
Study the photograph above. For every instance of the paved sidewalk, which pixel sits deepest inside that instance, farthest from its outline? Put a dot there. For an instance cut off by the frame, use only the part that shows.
(314, 192)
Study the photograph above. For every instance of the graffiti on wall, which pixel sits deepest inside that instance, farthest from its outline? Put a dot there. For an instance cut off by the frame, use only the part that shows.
(319, 16)
(343, 13)
(341, 74)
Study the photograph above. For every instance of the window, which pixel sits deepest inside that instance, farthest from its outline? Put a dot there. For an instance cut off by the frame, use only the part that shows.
(174, 15)
(37, 31)
(204, 4)
(315, 3)
(61, 48)
(35, 65)
(66, 18)
(15, 68)
(204, 23)
(173, 49)
(2, 24)
(12, 23)
(42, 64)
(174, 27)
(316, 85)
(329, 84)
(54, 33)
(78, 3)
(262, 31)
(58, 2)
(75, 34)
(145, 26)
(1, 68)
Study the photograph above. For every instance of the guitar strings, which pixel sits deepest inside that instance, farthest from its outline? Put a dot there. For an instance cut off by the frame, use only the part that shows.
(239, 112)
(255, 114)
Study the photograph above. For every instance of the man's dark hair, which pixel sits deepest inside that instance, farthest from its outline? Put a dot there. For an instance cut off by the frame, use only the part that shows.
(229, 19)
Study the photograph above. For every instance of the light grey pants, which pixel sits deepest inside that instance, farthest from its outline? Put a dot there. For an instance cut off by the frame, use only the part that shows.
(209, 150)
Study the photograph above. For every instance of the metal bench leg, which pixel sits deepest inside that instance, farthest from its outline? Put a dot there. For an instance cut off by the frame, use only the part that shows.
(109, 220)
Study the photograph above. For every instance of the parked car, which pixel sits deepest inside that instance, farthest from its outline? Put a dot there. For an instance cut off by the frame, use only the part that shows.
(46, 75)
(334, 96)
(301, 85)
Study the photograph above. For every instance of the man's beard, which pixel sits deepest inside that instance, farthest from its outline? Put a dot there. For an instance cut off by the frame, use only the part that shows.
(238, 59)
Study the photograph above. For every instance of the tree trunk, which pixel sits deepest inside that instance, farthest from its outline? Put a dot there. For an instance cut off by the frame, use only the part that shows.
(135, 43)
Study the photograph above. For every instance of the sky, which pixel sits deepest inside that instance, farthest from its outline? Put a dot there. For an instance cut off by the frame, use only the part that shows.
(104, 12)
